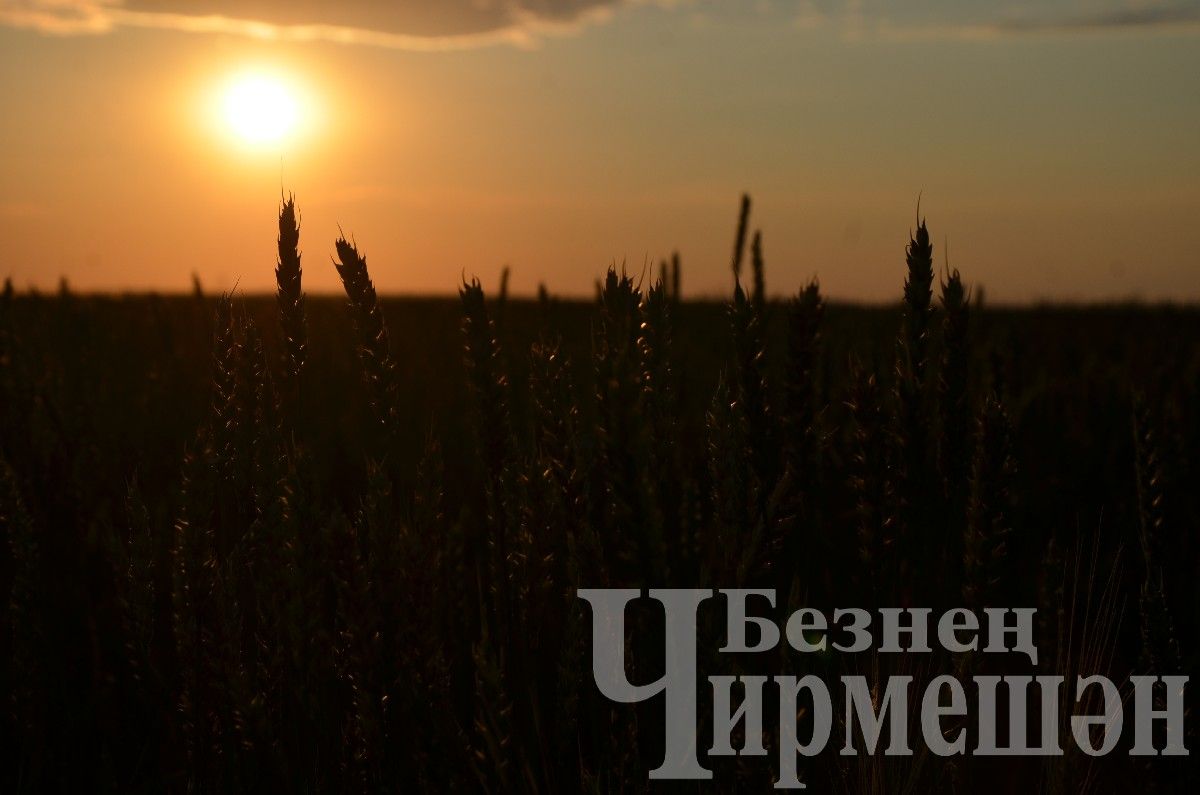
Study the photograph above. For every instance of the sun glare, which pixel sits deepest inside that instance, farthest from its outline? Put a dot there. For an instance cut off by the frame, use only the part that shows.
(260, 109)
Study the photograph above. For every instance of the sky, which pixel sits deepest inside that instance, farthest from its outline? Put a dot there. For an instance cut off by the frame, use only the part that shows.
(1054, 146)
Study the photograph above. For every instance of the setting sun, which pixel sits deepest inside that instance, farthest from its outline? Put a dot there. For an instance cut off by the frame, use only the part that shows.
(260, 109)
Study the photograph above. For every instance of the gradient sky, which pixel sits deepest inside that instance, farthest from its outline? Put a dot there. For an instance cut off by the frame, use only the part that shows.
(1056, 144)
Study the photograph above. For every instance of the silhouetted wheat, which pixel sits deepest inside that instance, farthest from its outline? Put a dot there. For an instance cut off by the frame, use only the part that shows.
(290, 294)
(739, 240)
(953, 452)
(759, 294)
(989, 510)
(1159, 644)
(396, 611)
(374, 346)
(911, 427)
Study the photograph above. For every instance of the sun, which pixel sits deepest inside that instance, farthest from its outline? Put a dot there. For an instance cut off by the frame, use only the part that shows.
(260, 109)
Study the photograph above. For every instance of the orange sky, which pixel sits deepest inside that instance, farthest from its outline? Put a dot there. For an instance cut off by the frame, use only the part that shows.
(1057, 154)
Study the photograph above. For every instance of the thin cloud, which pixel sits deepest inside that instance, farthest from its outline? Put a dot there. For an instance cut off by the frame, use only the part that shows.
(436, 25)
(56, 17)
(446, 25)
(943, 19)
(1137, 18)
(1181, 18)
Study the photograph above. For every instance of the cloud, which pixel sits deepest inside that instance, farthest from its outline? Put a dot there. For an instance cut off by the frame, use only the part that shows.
(63, 17)
(428, 25)
(1130, 17)
(988, 19)
(438, 25)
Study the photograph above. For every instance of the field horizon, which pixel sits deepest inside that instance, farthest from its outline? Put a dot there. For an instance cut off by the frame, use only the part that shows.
(1063, 304)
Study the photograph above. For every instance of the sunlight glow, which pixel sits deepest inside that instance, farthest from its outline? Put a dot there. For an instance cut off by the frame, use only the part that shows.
(260, 109)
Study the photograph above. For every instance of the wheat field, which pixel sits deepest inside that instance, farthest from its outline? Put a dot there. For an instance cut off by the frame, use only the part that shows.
(332, 544)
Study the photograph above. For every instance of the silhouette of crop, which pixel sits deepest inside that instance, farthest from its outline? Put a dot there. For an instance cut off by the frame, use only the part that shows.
(260, 543)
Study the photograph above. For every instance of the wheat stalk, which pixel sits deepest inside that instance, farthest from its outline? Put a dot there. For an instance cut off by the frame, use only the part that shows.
(290, 294)
(374, 347)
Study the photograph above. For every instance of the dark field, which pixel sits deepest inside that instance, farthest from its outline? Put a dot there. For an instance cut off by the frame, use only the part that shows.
(231, 563)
